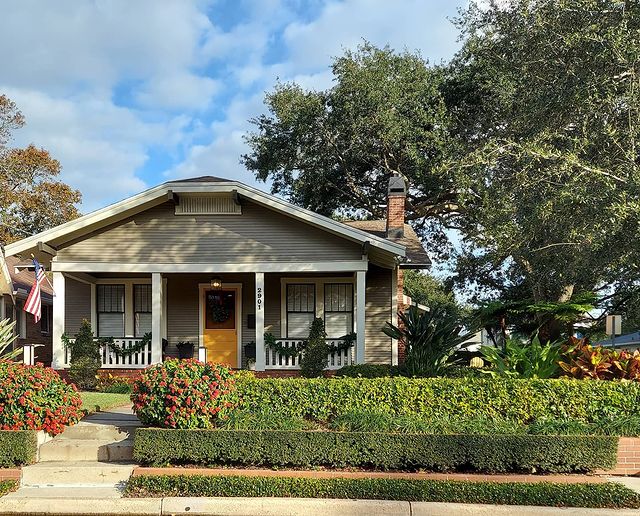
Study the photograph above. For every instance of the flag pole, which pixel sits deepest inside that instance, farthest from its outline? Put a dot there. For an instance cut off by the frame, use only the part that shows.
(45, 276)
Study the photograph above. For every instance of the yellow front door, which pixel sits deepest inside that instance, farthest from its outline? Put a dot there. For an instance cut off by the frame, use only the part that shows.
(220, 334)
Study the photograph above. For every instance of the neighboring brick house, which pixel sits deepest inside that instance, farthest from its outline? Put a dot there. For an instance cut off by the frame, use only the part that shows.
(16, 280)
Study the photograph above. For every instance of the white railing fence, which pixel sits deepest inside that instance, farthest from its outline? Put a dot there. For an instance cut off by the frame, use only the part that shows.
(338, 359)
(112, 360)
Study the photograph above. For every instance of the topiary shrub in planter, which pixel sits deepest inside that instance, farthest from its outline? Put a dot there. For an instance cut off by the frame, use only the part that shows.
(316, 353)
(36, 398)
(184, 394)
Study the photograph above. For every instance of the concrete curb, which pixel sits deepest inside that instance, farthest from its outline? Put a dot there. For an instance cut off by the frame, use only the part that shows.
(276, 506)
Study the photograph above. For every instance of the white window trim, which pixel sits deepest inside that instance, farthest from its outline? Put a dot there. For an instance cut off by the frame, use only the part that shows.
(129, 323)
(319, 283)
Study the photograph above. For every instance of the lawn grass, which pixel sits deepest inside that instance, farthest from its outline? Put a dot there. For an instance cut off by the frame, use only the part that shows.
(96, 401)
(6, 486)
(606, 495)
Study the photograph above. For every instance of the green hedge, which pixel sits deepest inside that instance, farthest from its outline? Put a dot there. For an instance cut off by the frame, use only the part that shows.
(607, 495)
(488, 453)
(17, 447)
(521, 401)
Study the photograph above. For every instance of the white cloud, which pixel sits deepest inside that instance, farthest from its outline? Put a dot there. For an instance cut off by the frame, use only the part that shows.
(100, 145)
(179, 91)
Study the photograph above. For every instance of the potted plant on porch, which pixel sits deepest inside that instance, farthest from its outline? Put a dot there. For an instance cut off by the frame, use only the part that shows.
(185, 349)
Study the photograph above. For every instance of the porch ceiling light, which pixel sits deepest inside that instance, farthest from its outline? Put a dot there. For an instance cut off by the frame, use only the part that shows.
(216, 282)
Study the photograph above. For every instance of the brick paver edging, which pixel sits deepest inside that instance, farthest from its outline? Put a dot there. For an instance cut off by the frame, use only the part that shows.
(563, 479)
(10, 473)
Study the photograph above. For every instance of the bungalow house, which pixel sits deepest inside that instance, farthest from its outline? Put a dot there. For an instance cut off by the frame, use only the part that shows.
(16, 280)
(218, 264)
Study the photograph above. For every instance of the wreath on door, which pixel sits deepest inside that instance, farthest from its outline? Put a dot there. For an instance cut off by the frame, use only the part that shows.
(217, 312)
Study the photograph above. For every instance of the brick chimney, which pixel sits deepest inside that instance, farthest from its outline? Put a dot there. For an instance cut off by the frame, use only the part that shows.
(395, 206)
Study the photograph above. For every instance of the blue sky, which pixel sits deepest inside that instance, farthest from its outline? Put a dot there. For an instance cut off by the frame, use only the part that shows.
(128, 94)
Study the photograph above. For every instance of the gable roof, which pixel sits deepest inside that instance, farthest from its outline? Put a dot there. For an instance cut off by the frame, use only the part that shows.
(416, 256)
(205, 184)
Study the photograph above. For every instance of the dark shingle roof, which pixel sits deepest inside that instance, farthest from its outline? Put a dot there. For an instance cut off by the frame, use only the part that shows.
(23, 278)
(202, 179)
(415, 252)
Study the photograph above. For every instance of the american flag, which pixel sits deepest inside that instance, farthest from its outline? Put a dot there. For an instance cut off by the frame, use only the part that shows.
(34, 304)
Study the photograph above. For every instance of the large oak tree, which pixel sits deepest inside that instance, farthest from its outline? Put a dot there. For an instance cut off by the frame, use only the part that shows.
(31, 198)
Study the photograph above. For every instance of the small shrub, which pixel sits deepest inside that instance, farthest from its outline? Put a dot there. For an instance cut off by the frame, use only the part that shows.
(369, 371)
(6, 486)
(184, 394)
(7, 338)
(17, 447)
(582, 360)
(83, 372)
(606, 495)
(36, 398)
(114, 384)
(460, 371)
(316, 353)
(524, 359)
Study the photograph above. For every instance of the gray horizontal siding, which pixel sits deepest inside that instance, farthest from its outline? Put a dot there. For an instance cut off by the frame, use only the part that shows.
(77, 305)
(259, 234)
(378, 312)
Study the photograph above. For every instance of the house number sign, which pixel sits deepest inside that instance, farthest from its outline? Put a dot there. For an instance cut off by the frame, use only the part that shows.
(259, 298)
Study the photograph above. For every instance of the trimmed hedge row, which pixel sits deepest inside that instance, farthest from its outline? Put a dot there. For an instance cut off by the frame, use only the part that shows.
(486, 453)
(17, 447)
(521, 401)
(606, 495)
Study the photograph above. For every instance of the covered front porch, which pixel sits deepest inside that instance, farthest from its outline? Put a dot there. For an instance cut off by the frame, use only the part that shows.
(224, 313)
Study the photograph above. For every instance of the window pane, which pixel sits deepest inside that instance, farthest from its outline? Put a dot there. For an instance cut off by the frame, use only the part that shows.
(142, 323)
(338, 297)
(110, 324)
(110, 298)
(299, 324)
(142, 298)
(338, 324)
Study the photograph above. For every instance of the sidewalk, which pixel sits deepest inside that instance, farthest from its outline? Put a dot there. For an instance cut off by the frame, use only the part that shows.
(278, 507)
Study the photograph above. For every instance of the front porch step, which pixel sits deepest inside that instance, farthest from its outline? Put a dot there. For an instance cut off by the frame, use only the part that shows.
(75, 474)
(73, 449)
(86, 430)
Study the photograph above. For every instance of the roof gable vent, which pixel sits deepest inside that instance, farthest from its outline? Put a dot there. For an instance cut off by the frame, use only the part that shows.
(224, 204)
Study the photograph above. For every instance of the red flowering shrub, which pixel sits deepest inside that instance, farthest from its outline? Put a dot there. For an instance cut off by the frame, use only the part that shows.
(36, 398)
(184, 394)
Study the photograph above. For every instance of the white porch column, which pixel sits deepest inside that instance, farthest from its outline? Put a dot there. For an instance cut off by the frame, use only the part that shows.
(156, 318)
(360, 314)
(58, 320)
(3, 309)
(394, 314)
(260, 354)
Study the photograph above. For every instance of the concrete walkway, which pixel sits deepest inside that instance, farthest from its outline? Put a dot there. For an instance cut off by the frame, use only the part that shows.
(278, 507)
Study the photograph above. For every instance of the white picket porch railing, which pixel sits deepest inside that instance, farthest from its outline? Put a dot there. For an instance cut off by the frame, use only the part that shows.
(336, 360)
(111, 360)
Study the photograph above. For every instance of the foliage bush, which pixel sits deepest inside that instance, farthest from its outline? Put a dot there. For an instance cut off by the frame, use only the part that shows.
(316, 353)
(184, 394)
(6, 486)
(431, 339)
(262, 420)
(369, 371)
(17, 447)
(488, 453)
(606, 495)
(582, 360)
(84, 353)
(114, 384)
(36, 398)
(522, 358)
(518, 400)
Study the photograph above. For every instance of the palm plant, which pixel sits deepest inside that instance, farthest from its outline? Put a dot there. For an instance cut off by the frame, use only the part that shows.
(7, 337)
(431, 338)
